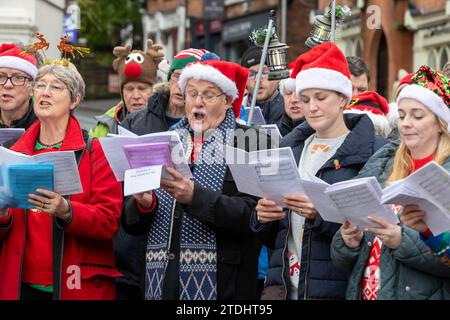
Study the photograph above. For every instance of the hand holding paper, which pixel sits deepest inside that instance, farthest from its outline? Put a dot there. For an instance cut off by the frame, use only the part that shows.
(301, 205)
(428, 189)
(390, 234)
(414, 218)
(181, 188)
(268, 211)
(351, 235)
(142, 179)
(51, 202)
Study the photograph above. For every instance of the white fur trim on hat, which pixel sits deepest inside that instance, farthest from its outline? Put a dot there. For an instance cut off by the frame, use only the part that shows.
(287, 84)
(321, 78)
(427, 97)
(199, 71)
(19, 64)
(380, 122)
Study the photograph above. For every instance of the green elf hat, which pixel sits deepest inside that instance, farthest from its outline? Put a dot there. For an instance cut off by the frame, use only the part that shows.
(431, 88)
(183, 58)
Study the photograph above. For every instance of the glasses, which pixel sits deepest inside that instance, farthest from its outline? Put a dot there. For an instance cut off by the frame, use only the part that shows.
(54, 88)
(15, 80)
(209, 98)
(252, 75)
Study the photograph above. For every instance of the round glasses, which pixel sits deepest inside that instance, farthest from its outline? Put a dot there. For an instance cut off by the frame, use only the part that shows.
(15, 80)
(53, 87)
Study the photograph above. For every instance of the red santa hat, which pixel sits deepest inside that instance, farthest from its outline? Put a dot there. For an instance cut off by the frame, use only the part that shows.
(13, 57)
(323, 67)
(375, 106)
(289, 83)
(230, 77)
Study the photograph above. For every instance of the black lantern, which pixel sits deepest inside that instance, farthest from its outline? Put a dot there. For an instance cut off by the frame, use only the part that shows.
(277, 56)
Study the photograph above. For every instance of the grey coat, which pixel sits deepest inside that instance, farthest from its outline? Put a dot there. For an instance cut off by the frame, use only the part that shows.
(410, 272)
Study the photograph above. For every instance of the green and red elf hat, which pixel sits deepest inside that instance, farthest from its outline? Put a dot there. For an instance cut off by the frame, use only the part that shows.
(431, 88)
(184, 57)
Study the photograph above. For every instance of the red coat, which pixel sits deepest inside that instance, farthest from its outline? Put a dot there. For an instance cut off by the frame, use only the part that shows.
(88, 265)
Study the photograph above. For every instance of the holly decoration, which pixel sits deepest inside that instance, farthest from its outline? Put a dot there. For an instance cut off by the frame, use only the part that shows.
(259, 36)
(341, 13)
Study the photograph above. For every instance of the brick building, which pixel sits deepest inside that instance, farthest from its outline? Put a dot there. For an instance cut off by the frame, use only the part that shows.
(179, 24)
(393, 35)
(165, 23)
(389, 34)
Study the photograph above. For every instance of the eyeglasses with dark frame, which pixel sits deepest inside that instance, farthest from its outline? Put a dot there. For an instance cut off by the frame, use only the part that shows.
(16, 80)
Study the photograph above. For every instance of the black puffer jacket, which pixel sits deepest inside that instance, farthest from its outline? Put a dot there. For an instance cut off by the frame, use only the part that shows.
(318, 279)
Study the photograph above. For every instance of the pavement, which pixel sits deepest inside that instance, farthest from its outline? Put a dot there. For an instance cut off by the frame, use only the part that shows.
(88, 109)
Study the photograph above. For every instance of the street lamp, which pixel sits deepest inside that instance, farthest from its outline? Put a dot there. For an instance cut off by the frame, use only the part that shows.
(276, 61)
(324, 28)
(277, 56)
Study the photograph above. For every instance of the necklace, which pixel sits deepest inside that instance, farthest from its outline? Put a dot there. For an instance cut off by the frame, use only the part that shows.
(49, 146)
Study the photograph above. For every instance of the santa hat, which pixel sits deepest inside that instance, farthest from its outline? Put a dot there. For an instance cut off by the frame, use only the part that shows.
(289, 83)
(406, 79)
(13, 57)
(184, 57)
(432, 89)
(375, 106)
(230, 77)
(323, 67)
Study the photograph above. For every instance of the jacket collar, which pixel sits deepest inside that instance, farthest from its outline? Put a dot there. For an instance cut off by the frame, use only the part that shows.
(356, 149)
(26, 121)
(72, 141)
(120, 112)
(158, 103)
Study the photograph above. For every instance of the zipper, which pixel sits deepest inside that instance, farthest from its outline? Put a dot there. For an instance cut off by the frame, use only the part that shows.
(23, 252)
(305, 290)
(284, 253)
(61, 264)
(307, 268)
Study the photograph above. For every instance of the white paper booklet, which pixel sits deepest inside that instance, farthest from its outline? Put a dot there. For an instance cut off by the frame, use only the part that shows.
(66, 177)
(351, 200)
(7, 134)
(113, 148)
(267, 173)
(429, 189)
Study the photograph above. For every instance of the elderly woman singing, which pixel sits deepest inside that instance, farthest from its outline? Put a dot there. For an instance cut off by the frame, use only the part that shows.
(63, 250)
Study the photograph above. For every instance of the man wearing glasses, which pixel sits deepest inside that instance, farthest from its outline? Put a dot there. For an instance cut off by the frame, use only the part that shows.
(17, 72)
(268, 98)
(166, 107)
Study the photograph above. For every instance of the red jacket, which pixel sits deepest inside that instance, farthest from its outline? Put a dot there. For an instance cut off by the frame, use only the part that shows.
(88, 267)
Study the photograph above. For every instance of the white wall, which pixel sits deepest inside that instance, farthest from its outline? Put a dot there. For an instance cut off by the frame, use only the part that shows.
(166, 23)
(20, 19)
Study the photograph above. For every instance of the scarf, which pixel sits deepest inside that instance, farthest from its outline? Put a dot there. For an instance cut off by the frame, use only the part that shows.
(198, 250)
